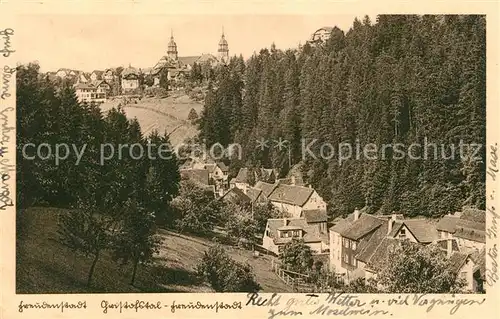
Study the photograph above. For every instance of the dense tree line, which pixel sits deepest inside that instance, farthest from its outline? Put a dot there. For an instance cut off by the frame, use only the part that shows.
(404, 79)
(113, 204)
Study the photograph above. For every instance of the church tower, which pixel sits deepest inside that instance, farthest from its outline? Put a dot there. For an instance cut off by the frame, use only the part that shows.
(223, 49)
(172, 47)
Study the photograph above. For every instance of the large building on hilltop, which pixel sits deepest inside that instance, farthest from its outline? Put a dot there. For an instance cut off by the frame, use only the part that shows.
(177, 66)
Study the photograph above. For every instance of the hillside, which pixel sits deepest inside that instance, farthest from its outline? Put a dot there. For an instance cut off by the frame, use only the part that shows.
(46, 266)
(168, 114)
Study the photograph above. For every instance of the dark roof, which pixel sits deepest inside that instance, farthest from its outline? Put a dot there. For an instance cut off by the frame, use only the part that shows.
(447, 223)
(236, 196)
(365, 224)
(367, 248)
(470, 230)
(473, 215)
(479, 258)
(456, 261)
(290, 194)
(253, 193)
(395, 228)
(198, 175)
(266, 188)
(223, 166)
(315, 215)
(382, 253)
(98, 72)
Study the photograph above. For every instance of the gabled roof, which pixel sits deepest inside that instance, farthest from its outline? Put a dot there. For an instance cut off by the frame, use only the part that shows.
(236, 196)
(242, 176)
(206, 57)
(291, 194)
(100, 82)
(188, 60)
(266, 188)
(253, 193)
(198, 175)
(311, 235)
(314, 215)
(365, 224)
(422, 230)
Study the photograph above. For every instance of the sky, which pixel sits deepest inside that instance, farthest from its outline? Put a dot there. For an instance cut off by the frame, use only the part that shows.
(90, 42)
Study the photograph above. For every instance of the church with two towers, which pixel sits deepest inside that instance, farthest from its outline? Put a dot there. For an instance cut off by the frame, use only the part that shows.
(177, 65)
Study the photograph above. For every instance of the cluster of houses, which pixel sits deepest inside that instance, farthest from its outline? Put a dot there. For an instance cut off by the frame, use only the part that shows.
(96, 86)
(357, 246)
(361, 242)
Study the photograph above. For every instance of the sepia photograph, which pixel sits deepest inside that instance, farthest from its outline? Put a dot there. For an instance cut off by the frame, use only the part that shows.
(335, 153)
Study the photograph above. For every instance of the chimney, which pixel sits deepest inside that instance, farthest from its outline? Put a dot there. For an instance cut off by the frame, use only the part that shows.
(356, 214)
(285, 221)
(391, 222)
(449, 247)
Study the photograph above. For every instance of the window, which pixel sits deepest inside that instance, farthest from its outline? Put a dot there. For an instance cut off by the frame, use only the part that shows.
(354, 245)
(346, 258)
(402, 233)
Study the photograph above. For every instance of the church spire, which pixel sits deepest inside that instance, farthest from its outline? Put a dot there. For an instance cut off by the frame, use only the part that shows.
(223, 48)
(172, 47)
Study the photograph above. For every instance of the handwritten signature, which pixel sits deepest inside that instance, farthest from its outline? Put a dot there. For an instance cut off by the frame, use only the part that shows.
(6, 34)
(6, 75)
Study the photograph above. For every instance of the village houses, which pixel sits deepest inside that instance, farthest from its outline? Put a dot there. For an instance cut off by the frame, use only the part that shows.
(360, 244)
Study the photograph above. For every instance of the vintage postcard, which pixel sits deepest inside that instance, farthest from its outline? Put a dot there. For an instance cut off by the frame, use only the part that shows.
(261, 159)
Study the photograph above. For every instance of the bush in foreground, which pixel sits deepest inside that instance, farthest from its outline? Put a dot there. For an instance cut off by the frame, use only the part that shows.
(225, 274)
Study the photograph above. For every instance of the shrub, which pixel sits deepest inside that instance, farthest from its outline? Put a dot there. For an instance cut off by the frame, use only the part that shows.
(225, 274)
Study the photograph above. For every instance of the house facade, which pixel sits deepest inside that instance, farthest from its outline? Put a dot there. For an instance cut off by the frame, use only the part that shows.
(293, 199)
(360, 244)
(130, 79)
(282, 231)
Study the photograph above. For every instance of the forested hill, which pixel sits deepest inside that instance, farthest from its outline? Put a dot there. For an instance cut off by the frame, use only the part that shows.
(403, 79)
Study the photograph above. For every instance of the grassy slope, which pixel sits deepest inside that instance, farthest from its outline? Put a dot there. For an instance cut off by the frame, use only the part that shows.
(45, 266)
(163, 115)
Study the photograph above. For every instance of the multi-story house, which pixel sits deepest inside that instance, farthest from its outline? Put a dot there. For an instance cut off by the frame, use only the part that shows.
(361, 243)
